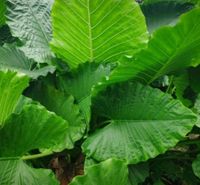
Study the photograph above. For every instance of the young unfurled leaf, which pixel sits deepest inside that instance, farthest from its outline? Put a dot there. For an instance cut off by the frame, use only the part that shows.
(30, 22)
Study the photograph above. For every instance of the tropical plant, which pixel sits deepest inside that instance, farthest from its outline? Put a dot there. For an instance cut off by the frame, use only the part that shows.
(99, 92)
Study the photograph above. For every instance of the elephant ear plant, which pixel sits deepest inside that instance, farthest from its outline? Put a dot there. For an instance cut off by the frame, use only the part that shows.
(99, 92)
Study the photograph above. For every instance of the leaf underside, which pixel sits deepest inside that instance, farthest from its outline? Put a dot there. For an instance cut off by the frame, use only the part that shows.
(14, 59)
(30, 22)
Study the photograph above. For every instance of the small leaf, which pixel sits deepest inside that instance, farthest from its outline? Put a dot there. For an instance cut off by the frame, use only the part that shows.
(110, 172)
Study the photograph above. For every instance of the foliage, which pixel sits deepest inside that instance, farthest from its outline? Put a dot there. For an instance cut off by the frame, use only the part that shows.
(99, 92)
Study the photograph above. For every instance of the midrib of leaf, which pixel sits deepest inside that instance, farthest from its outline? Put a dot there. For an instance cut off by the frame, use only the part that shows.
(37, 22)
(174, 54)
(90, 31)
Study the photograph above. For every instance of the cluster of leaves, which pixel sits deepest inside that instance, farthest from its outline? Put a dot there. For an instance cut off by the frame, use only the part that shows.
(110, 87)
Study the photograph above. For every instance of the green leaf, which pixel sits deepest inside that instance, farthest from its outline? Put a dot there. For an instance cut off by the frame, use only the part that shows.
(81, 82)
(180, 50)
(30, 22)
(63, 105)
(164, 12)
(14, 59)
(33, 128)
(2, 12)
(100, 31)
(110, 172)
(138, 173)
(144, 122)
(12, 85)
(16, 172)
(196, 166)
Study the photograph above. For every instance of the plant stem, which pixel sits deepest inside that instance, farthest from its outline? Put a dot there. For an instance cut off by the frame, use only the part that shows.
(36, 156)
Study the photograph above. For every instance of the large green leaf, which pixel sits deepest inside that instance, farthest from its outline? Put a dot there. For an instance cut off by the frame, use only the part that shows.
(63, 105)
(81, 82)
(110, 172)
(29, 20)
(96, 30)
(196, 166)
(181, 49)
(12, 85)
(33, 128)
(164, 12)
(12, 58)
(2, 12)
(16, 172)
(144, 122)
